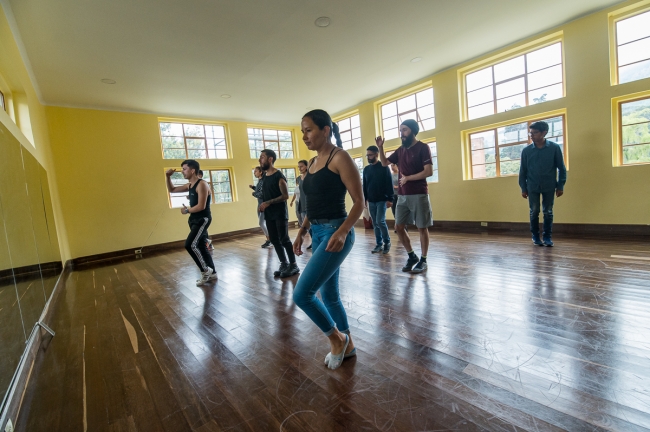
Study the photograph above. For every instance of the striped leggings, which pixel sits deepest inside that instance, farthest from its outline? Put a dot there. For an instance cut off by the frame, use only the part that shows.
(195, 243)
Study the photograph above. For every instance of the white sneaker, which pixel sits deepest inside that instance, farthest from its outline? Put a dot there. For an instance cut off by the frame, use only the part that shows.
(206, 276)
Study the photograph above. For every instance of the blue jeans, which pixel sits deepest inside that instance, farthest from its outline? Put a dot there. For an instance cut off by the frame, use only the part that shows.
(378, 216)
(322, 272)
(548, 198)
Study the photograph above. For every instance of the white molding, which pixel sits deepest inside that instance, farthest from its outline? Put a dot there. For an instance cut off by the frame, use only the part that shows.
(13, 26)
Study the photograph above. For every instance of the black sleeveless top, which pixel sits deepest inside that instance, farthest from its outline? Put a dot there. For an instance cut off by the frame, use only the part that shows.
(194, 200)
(325, 192)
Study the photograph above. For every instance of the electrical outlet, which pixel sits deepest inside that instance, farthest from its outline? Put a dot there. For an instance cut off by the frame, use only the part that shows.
(483, 223)
(9, 427)
(138, 251)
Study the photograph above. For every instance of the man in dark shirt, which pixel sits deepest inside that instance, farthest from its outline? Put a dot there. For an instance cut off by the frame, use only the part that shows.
(538, 177)
(274, 206)
(414, 161)
(378, 190)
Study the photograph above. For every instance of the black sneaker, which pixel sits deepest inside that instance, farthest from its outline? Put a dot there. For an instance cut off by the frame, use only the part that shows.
(377, 249)
(420, 267)
(283, 268)
(292, 269)
(386, 248)
(409, 264)
(266, 244)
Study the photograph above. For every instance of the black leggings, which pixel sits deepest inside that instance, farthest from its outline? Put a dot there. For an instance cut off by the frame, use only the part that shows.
(279, 236)
(195, 243)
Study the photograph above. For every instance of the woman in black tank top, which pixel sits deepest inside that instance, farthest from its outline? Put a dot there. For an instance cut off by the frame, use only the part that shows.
(329, 176)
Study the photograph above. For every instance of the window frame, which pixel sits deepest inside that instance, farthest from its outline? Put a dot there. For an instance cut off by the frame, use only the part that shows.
(277, 130)
(429, 141)
(230, 180)
(379, 126)
(468, 173)
(203, 123)
(346, 116)
(212, 202)
(490, 61)
(401, 96)
(615, 17)
(617, 127)
(359, 168)
(295, 173)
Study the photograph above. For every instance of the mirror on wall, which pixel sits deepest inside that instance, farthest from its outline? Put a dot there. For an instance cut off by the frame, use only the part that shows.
(12, 333)
(30, 262)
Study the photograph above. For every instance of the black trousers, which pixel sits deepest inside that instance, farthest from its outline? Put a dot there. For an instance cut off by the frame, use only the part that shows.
(279, 236)
(195, 243)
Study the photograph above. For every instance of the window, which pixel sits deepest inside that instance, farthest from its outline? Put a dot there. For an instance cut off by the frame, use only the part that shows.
(220, 184)
(177, 199)
(434, 162)
(193, 141)
(497, 152)
(418, 106)
(635, 132)
(633, 48)
(219, 181)
(529, 79)
(359, 162)
(290, 174)
(280, 141)
(350, 131)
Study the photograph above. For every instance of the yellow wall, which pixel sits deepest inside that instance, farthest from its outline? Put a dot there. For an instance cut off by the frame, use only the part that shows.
(112, 181)
(25, 117)
(596, 192)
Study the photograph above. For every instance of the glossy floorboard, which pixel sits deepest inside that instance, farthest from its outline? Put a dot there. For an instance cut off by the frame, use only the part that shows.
(21, 304)
(497, 335)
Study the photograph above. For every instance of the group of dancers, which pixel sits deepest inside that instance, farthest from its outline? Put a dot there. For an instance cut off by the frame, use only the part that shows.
(321, 190)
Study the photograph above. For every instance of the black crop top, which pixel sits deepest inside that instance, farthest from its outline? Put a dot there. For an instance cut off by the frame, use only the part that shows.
(325, 192)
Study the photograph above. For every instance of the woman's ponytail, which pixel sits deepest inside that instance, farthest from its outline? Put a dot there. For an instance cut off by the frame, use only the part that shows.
(337, 135)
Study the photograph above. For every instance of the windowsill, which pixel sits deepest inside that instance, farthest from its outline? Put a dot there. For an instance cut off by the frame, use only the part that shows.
(631, 165)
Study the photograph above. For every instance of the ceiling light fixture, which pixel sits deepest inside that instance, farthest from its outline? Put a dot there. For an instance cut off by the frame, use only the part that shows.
(108, 81)
(322, 22)
(416, 59)
(226, 96)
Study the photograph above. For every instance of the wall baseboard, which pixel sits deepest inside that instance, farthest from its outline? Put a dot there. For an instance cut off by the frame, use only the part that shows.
(592, 230)
(75, 262)
(597, 230)
(16, 391)
(30, 269)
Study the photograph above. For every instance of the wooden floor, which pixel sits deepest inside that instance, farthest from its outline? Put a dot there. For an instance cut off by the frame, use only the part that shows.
(498, 335)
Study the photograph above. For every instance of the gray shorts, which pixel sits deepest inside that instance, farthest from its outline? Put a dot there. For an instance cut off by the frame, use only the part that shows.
(414, 208)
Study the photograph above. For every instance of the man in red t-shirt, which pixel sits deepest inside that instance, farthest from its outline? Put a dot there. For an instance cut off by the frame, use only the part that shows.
(414, 161)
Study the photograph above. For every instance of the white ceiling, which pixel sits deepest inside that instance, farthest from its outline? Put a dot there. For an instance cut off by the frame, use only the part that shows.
(177, 57)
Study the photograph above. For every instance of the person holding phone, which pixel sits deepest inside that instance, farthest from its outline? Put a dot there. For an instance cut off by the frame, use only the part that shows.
(200, 217)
